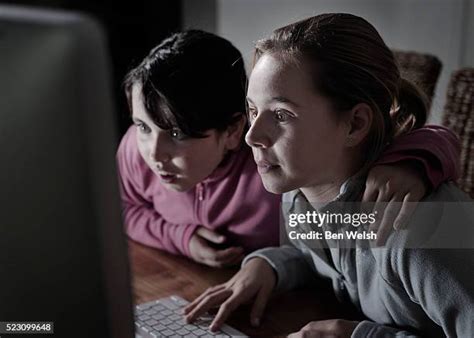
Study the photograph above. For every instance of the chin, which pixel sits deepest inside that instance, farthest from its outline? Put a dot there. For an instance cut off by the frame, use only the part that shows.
(178, 187)
(275, 187)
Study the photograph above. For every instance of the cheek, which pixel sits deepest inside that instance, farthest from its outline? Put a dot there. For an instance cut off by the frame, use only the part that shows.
(143, 149)
(184, 161)
(200, 158)
(295, 148)
(309, 149)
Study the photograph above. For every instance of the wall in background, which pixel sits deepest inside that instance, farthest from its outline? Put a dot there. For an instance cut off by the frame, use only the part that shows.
(444, 28)
(132, 29)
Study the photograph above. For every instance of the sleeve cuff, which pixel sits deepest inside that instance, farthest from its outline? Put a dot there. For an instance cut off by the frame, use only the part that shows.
(188, 233)
(363, 329)
(369, 329)
(266, 254)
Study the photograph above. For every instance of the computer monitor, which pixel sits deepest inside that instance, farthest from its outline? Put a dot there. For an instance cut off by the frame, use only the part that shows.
(63, 255)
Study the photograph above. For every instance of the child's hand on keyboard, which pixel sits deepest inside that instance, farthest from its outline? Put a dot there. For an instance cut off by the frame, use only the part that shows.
(255, 281)
(202, 250)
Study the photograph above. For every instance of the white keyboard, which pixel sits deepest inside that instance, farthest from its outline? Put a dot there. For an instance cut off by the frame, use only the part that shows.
(163, 318)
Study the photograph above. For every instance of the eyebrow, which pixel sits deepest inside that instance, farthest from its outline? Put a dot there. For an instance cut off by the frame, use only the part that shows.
(281, 99)
(137, 120)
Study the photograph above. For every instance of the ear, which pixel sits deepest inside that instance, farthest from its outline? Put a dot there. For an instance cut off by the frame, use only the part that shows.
(234, 133)
(359, 123)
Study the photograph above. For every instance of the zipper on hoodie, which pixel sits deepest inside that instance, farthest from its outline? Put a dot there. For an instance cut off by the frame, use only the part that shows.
(199, 199)
(200, 192)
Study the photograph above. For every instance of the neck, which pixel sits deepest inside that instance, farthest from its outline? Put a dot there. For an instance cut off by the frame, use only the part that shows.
(329, 190)
(322, 193)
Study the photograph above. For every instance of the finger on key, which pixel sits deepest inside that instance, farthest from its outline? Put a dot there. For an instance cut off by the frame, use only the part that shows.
(259, 306)
(208, 303)
(203, 295)
(224, 311)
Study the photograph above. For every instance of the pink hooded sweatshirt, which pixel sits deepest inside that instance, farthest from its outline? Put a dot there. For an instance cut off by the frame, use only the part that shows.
(232, 200)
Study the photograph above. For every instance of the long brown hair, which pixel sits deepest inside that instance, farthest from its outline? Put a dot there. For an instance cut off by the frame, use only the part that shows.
(352, 65)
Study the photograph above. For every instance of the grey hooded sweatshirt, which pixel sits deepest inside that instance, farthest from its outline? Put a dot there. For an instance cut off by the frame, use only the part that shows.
(403, 290)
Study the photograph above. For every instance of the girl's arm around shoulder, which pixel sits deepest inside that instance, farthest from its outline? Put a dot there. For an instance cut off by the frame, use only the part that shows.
(435, 148)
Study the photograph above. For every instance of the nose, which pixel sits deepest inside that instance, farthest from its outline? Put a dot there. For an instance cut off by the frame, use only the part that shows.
(160, 152)
(257, 136)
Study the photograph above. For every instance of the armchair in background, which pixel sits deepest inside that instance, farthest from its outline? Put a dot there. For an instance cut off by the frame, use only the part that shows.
(458, 115)
(422, 69)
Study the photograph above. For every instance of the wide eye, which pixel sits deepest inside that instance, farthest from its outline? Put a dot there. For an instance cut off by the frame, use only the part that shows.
(176, 133)
(281, 115)
(252, 112)
(143, 128)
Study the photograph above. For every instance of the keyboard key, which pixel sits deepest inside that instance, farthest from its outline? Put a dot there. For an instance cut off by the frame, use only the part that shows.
(158, 316)
(190, 327)
(143, 317)
(143, 306)
(179, 301)
(175, 317)
(159, 327)
(199, 322)
(182, 332)
(151, 322)
(159, 307)
(219, 332)
(170, 304)
(163, 318)
(166, 322)
(174, 327)
(199, 332)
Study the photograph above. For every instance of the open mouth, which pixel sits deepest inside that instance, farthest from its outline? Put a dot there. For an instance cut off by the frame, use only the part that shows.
(168, 178)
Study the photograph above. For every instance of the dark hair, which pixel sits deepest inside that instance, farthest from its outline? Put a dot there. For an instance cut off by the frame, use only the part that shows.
(192, 80)
(352, 65)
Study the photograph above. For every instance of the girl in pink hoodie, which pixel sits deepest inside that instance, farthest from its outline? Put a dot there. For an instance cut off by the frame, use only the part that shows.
(189, 184)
